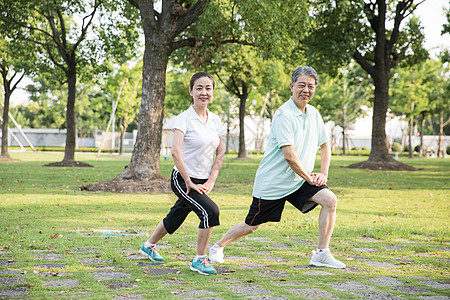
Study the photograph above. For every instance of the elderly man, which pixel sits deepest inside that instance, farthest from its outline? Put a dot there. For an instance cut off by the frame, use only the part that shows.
(284, 173)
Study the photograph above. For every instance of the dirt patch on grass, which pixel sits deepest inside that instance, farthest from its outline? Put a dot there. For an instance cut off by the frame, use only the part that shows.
(392, 165)
(69, 163)
(156, 185)
(8, 159)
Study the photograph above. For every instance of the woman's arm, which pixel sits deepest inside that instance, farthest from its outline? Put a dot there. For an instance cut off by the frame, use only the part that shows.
(177, 155)
(220, 156)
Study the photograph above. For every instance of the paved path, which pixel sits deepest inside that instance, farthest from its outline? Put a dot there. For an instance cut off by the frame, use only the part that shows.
(89, 273)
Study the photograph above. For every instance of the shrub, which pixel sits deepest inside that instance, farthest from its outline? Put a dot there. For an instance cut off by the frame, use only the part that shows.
(448, 150)
(417, 148)
(396, 147)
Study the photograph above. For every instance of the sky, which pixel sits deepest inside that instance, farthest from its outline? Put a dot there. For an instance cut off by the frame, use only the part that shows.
(430, 12)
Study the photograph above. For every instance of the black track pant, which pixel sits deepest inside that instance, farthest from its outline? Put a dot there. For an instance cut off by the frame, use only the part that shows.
(206, 210)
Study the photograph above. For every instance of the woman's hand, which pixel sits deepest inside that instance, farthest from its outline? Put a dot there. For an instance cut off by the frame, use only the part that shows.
(196, 187)
(208, 186)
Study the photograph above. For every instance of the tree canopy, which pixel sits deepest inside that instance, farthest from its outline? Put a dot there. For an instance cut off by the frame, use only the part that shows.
(372, 34)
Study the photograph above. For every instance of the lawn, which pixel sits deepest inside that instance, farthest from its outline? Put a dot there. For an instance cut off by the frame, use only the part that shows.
(398, 218)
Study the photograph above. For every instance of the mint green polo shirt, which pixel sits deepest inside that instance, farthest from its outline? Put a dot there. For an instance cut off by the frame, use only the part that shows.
(306, 132)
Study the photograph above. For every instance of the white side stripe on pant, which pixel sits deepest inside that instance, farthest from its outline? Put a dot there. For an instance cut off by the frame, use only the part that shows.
(182, 192)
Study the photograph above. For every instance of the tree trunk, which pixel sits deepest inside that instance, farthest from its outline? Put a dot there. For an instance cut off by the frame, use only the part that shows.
(410, 134)
(69, 152)
(122, 135)
(422, 148)
(7, 94)
(343, 130)
(71, 135)
(227, 146)
(242, 103)
(144, 163)
(380, 151)
(441, 151)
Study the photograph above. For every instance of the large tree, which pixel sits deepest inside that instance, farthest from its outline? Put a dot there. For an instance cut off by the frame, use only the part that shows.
(161, 33)
(361, 30)
(73, 37)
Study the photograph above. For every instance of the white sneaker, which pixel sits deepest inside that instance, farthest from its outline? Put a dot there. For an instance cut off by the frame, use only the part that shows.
(216, 255)
(325, 259)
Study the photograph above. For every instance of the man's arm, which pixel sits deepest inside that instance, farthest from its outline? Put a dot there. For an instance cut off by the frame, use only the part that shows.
(325, 158)
(294, 162)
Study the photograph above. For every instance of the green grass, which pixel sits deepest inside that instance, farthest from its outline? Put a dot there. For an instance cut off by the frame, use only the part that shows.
(42, 208)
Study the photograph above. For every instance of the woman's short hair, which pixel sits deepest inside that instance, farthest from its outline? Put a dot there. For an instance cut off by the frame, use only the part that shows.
(305, 70)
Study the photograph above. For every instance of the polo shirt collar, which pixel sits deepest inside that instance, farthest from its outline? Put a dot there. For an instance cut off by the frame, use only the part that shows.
(193, 114)
(296, 110)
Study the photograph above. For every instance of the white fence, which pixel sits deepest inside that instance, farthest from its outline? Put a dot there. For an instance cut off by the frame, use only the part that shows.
(256, 135)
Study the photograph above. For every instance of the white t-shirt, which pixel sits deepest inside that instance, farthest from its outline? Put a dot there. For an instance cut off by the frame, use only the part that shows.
(200, 141)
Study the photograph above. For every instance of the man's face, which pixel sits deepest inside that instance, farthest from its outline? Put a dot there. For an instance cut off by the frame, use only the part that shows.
(303, 89)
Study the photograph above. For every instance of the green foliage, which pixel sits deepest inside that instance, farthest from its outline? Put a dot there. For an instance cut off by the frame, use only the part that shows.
(413, 28)
(343, 27)
(339, 99)
(417, 148)
(177, 97)
(422, 91)
(59, 32)
(340, 27)
(396, 147)
(412, 85)
(123, 86)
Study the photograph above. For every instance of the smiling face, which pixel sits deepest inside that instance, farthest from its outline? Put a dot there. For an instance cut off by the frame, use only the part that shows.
(202, 91)
(303, 90)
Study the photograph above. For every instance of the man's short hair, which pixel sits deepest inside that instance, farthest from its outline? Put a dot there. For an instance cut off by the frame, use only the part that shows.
(305, 70)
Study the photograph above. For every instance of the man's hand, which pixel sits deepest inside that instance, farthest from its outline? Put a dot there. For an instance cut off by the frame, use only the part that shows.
(319, 179)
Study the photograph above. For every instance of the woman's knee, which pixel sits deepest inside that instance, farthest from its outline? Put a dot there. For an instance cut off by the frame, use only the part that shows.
(216, 211)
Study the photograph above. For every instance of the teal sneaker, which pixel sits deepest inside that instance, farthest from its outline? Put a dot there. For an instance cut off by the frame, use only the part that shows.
(151, 253)
(203, 267)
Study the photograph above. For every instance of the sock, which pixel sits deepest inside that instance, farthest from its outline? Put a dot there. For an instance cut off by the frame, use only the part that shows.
(216, 246)
(148, 245)
(197, 257)
(323, 250)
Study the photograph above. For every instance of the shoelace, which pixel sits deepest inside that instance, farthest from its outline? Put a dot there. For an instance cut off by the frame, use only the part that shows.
(204, 261)
(153, 250)
(328, 258)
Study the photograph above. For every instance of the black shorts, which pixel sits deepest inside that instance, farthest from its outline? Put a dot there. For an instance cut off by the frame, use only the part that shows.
(262, 211)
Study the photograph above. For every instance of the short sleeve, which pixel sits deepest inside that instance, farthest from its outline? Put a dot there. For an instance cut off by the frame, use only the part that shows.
(219, 127)
(323, 136)
(180, 123)
(282, 130)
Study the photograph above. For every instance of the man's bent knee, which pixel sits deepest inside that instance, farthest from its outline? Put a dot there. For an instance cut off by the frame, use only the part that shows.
(249, 229)
(326, 198)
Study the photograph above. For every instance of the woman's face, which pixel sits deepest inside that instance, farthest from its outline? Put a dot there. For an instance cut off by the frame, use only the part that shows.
(202, 91)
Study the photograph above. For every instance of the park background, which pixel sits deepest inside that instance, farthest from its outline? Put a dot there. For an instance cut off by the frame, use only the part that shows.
(415, 122)
(83, 58)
